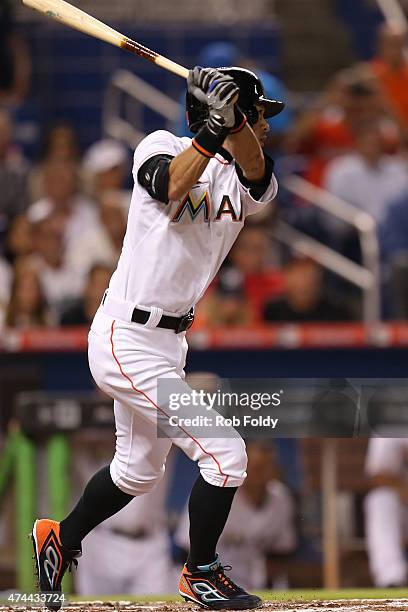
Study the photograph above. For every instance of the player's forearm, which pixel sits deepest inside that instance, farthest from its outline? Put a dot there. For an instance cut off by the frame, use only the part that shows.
(247, 151)
(184, 171)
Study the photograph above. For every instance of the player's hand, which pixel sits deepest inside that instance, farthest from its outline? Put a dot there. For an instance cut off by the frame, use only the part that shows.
(218, 91)
(199, 80)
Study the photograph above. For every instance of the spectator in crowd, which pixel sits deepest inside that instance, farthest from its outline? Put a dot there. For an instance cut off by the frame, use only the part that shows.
(250, 256)
(27, 306)
(304, 299)
(13, 183)
(105, 166)
(102, 243)
(386, 511)
(328, 130)
(83, 311)
(367, 178)
(19, 239)
(62, 192)
(60, 283)
(60, 144)
(226, 305)
(265, 506)
(391, 70)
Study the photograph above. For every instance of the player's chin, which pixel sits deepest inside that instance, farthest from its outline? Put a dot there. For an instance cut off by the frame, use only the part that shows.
(262, 140)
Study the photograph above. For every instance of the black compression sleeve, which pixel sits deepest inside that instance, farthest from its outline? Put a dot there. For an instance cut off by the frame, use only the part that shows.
(153, 175)
(208, 507)
(257, 188)
(100, 500)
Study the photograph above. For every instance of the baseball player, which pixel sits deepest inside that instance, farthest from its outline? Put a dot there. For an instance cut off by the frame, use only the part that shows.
(189, 203)
(386, 511)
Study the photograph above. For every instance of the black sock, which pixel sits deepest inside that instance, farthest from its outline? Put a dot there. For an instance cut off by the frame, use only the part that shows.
(209, 507)
(100, 500)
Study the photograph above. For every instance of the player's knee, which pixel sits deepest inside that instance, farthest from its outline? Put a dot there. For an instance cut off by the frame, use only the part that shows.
(137, 486)
(239, 457)
(134, 484)
(231, 465)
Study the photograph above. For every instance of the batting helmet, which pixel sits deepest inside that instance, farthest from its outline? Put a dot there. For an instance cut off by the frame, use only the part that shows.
(251, 93)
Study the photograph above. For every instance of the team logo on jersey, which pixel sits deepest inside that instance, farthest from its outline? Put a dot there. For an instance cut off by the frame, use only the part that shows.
(194, 207)
(201, 204)
(226, 208)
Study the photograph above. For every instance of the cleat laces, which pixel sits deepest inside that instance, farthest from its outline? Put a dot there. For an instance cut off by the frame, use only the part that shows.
(223, 582)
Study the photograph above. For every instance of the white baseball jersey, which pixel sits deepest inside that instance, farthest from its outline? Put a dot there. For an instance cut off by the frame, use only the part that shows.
(172, 252)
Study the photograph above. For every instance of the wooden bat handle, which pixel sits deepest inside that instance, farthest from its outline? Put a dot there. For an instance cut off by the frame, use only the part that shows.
(152, 56)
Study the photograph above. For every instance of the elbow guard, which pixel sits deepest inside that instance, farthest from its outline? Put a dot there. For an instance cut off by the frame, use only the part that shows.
(153, 176)
(257, 188)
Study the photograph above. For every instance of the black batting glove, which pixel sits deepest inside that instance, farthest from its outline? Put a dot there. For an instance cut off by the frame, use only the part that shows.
(218, 91)
(199, 79)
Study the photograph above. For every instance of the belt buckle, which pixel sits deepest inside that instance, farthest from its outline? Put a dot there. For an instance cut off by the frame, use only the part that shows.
(185, 322)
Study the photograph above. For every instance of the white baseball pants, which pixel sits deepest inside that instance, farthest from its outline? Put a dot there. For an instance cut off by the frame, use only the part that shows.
(126, 359)
(387, 533)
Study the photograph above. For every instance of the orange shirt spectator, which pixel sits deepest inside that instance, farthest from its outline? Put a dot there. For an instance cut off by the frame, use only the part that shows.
(394, 83)
(391, 69)
(328, 130)
(332, 137)
(259, 288)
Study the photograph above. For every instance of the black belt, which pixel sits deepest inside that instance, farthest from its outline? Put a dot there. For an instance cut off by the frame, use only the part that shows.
(179, 324)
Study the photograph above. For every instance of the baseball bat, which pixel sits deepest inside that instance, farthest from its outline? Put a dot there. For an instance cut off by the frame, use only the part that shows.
(79, 20)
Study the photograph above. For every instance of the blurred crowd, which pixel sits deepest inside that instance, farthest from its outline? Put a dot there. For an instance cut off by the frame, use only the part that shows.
(63, 211)
(61, 243)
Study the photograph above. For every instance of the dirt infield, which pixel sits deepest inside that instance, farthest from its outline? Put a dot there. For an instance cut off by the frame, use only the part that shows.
(339, 605)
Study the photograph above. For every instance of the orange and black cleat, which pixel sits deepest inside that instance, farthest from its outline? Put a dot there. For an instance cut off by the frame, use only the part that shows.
(52, 559)
(209, 587)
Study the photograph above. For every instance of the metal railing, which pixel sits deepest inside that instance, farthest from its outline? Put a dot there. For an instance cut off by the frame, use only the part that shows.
(365, 276)
(125, 99)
